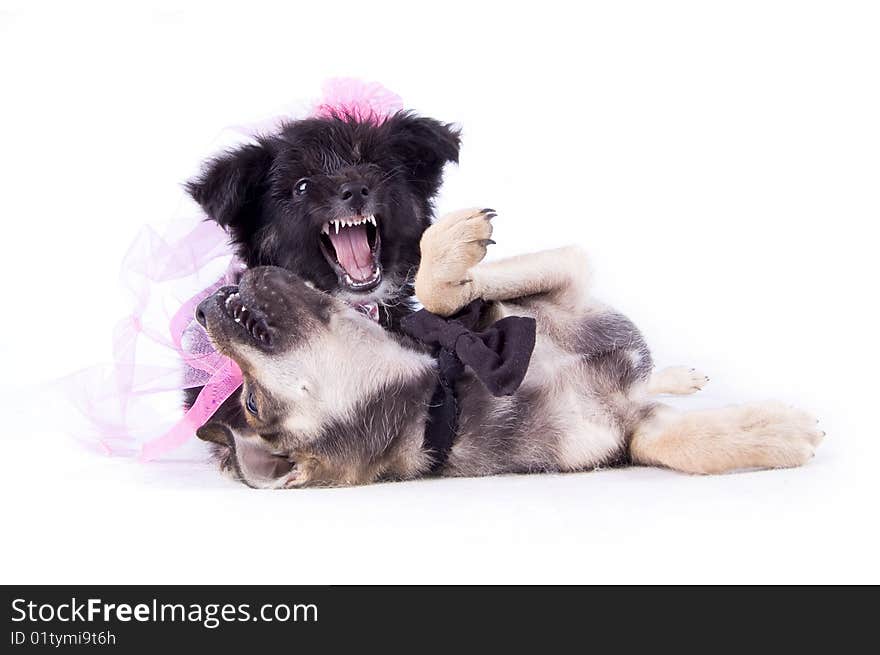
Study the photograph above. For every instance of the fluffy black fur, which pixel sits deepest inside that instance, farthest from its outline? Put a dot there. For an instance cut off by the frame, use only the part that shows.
(252, 192)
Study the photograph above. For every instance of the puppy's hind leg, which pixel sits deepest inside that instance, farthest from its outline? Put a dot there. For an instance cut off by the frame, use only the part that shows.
(759, 435)
(677, 381)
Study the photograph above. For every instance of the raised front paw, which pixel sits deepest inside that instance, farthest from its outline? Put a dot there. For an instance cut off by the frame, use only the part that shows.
(451, 247)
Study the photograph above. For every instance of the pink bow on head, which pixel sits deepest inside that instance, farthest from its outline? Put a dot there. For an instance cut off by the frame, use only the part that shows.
(363, 101)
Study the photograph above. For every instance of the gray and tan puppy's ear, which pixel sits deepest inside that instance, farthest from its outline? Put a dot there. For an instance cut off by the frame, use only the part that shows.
(252, 459)
(216, 433)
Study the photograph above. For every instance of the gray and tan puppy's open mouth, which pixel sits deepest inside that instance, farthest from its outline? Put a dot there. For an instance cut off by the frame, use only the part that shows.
(269, 310)
(228, 319)
(352, 246)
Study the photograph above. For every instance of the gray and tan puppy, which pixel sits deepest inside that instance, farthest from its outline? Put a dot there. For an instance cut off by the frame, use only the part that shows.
(333, 399)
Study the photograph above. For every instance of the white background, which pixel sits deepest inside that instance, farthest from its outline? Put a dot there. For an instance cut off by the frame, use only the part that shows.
(719, 161)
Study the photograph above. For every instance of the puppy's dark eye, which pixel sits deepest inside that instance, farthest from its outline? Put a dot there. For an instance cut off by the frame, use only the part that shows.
(251, 403)
(301, 187)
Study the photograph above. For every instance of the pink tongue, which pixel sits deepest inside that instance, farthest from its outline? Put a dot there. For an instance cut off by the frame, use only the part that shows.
(353, 251)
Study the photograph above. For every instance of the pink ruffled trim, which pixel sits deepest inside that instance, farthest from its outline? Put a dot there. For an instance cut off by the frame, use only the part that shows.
(156, 270)
(365, 101)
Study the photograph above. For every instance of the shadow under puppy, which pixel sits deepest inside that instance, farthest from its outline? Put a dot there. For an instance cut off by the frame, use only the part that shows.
(333, 399)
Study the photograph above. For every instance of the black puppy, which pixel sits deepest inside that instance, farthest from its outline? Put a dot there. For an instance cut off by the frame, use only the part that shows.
(340, 202)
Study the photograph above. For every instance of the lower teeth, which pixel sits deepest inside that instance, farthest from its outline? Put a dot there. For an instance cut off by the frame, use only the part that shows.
(359, 283)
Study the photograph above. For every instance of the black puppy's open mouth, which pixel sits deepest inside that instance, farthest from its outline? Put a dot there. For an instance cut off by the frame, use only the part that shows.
(351, 246)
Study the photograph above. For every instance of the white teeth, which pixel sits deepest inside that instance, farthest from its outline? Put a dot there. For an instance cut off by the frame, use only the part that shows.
(339, 223)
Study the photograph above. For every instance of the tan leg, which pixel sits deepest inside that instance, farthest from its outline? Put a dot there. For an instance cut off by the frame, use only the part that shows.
(759, 435)
(449, 278)
(561, 273)
(676, 380)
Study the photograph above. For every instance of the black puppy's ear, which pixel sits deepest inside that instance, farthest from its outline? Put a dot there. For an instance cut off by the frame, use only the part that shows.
(233, 184)
(217, 433)
(424, 145)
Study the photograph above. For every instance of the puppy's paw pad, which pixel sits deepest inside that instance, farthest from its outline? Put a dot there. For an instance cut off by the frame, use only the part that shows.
(450, 248)
(456, 243)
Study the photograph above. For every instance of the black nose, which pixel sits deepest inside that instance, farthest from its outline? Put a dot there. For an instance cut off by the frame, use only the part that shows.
(201, 316)
(354, 191)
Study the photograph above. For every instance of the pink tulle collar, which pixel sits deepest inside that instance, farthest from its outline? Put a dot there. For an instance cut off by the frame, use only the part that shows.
(156, 269)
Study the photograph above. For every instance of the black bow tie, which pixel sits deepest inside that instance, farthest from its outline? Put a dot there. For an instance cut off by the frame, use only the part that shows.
(499, 355)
